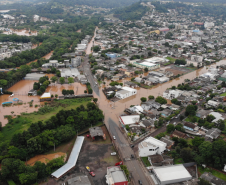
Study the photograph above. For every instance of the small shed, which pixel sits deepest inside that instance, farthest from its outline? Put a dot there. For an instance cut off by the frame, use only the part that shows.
(96, 132)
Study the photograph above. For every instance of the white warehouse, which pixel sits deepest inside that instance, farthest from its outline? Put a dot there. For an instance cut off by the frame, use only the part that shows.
(151, 146)
(125, 92)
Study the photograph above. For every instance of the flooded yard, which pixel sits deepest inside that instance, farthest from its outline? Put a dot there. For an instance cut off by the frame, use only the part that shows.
(22, 32)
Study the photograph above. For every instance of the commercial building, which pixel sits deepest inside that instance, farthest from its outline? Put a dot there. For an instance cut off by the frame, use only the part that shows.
(33, 76)
(125, 92)
(129, 119)
(116, 176)
(45, 97)
(170, 174)
(72, 159)
(151, 146)
(70, 72)
(75, 62)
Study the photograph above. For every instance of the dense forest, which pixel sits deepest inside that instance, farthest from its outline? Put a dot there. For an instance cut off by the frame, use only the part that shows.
(40, 137)
(132, 12)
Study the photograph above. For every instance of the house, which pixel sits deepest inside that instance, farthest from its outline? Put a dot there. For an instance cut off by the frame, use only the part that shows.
(129, 119)
(178, 134)
(151, 146)
(137, 109)
(212, 179)
(148, 123)
(213, 133)
(217, 115)
(150, 104)
(171, 94)
(116, 176)
(125, 92)
(130, 84)
(168, 141)
(202, 113)
(213, 103)
(190, 126)
(96, 132)
(171, 174)
(75, 62)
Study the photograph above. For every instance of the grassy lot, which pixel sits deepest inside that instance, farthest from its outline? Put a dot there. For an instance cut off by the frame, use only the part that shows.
(178, 161)
(189, 119)
(190, 141)
(146, 161)
(172, 60)
(224, 94)
(24, 121)
(214, 172)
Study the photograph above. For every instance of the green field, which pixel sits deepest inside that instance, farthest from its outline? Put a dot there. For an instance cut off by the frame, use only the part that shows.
(214, 172)
(224, 94)
(172, 60)
(25, 120)
(146, 161)
(178, 161)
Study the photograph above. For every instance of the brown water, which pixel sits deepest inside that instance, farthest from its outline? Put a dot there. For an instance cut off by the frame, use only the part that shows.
(20, 91)
(157, 90)
(22, 32)
(45, 158)
(90, 45)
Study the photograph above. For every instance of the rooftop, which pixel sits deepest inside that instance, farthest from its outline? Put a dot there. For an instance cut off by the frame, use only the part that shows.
(96, 131)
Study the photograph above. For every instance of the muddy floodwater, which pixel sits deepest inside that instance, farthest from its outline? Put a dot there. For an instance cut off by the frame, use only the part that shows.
(20, 91)
(22, 32)
(90, 45)
(45, 158)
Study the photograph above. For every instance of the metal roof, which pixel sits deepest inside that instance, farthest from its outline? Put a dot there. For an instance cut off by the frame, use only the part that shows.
(72, 159)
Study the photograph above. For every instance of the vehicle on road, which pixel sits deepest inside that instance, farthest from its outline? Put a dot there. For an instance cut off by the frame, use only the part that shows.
(131, 146)
(132, 156)
(91, 173)
(114, 137)
(113, 153)
(87, 135)
(88, 169)
(140, 182)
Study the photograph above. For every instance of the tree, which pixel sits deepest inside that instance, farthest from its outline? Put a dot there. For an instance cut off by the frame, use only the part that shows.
(39, 69)
(143, 99)
(56, 95)
(39, 93)
(62, 80)
(96, 48)
(180, 62)
(161, 100)
(191, 110)
(70, 80)
(210, 118)
(3, 83)
(170, 128)
(186, 154)
(64, 92)
(46, 83)
(85, 91)
(95, 100)
(54, 79)
(150, 97)
(90, 91)
(146, 70)
(197, 141)
(206, 151)
(0, 126)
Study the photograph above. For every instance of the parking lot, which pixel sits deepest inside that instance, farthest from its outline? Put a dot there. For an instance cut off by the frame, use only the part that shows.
(97, 155)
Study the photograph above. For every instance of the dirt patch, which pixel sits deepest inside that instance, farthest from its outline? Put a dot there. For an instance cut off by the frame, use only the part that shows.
(46, 158)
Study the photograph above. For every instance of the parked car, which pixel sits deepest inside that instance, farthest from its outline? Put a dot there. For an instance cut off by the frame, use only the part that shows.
(132, 156)
(119, 163)
(88, 169)
(114, 137)
(131, 146)
(91, 173)
(140, 182)
(113, 153)
(87, 135)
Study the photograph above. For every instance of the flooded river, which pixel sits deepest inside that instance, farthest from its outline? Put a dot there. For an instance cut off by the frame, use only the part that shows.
(90, 45)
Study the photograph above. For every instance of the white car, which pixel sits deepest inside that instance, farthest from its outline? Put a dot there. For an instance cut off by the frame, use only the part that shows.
(114, 137)
(113, 153)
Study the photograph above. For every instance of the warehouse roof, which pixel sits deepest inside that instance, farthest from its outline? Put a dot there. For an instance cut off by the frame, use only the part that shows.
(96, 131)
(169, 173)
(72, 159)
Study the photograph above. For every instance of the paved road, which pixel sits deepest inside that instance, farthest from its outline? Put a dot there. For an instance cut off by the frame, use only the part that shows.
(137, 172)
(93, 82)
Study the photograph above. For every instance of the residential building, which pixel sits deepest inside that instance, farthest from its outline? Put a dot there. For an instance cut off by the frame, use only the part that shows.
(116, 176)
(125, 92)
(151, 146)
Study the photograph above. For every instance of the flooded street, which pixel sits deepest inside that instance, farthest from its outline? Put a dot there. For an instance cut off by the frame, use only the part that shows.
(90, 45)
(22, 32)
